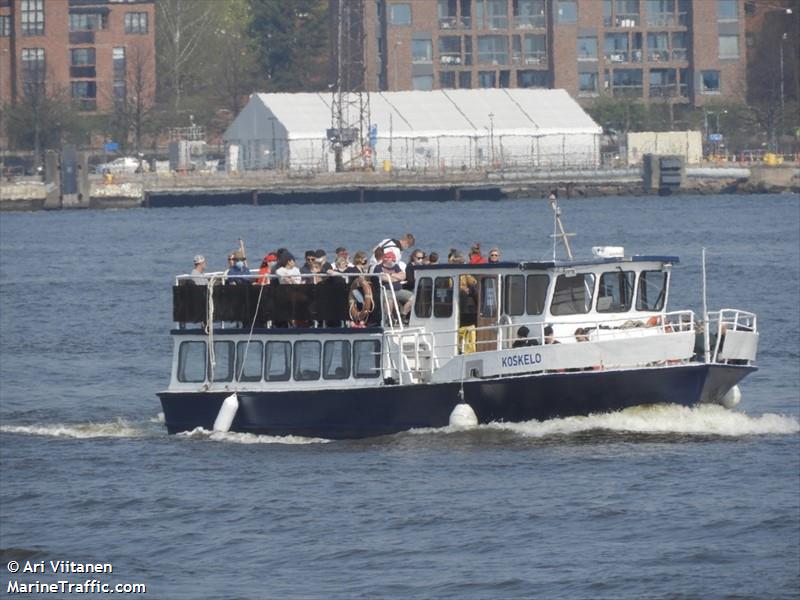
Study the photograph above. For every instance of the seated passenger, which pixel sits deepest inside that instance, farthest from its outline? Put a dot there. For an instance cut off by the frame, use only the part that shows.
(494, 255)
(198, 273)
(396, 277)
(433, 258)
(417, 259)
(310, 259)
(266, 268)
(287, 270)
(475, 256)
(582, 334)
(235, 275)
(549, 338)
(523, 339)
(322, 261)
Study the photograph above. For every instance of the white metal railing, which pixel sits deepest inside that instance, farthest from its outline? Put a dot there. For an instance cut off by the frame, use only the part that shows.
(729, 319)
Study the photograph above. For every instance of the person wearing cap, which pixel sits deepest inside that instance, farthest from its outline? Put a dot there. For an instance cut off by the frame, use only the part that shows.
(235, 275)
(198, 273)
(322, 261)
(267, 266)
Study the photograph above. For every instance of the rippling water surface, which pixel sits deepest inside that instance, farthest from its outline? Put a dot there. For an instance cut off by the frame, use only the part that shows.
(664, 502)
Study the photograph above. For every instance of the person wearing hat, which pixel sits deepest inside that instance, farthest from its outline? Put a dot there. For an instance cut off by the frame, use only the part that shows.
(198, 273)
(267, 266)
(235, 274)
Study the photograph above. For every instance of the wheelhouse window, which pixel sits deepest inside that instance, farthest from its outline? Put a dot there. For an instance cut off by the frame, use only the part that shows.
(192, 362)
(652, 291)
(278, 361)
(573, 294)
(249, 361)
(366, 359)
(223, 362)
(422, 303)
(536, 293)
(615, 293)
(307, 360)
(443, 297)
(336, 360)
(514, 295)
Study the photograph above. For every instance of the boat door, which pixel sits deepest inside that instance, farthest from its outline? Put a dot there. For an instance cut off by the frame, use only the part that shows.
(488, 312)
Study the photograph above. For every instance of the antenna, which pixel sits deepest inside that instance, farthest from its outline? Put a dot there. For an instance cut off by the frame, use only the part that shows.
(350, 114)
(558, 228)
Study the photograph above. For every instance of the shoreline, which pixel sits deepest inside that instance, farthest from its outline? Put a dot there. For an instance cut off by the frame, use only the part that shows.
(156, 190)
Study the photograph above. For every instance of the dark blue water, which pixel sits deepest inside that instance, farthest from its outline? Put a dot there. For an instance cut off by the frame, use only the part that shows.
(647, 503)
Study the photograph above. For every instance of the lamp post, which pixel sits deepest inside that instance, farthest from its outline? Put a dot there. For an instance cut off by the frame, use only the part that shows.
(491, 137)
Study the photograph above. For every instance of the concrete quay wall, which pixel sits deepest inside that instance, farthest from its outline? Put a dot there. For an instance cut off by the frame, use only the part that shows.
(270, 187)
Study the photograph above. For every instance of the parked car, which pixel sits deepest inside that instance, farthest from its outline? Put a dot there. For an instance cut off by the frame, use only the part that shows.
(123, 164)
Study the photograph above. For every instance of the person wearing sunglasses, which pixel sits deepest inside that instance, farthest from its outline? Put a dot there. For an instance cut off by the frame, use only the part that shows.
(494, 255)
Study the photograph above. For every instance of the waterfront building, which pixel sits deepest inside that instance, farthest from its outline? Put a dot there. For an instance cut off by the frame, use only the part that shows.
(689, 52)
(96, 52)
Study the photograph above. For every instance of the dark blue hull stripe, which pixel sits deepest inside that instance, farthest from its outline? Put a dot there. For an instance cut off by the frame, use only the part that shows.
(363, 412)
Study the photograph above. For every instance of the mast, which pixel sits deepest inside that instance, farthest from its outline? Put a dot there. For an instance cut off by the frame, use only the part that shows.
(559, 233)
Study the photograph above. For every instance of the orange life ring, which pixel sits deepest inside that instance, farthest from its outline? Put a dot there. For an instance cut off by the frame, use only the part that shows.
(360, 315)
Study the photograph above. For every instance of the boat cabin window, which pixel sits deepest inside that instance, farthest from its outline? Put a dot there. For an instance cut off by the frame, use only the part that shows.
(652, 290)
(488, 307)
(443, 297)
(336, 360)
(306, 360)
(249, 361)
(536, 293)
(223, 361)
(278, 361)
(192, 362)
(514, 295)
(366, 358)
(615, 293)
(422, 303)
(573, 294)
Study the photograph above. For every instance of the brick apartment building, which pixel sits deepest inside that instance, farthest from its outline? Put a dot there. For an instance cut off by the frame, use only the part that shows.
(94, 51)
(677, 51)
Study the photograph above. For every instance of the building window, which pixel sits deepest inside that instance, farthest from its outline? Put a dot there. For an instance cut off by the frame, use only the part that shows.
(492, 50)
(85, 92)
(727, 11)
(465, 80)
(587, 47)
(680, 50)
(627, 82)
(660, 13)
(447, 80)
(615, 47)
(487, 79)
(33, 71)
(607, 16)
(709, 82)
(5, 25)
(450, 50)
(136, 22)
(529, 14)
(627, 13)
(729, 46)
(534, 49)
(491, 14)
(400, 14)
(422, 51)
(87, 22)
(567, 11)
(32, 17)
(658, 46)
(532, 79)
(587, 84)
(119, 87)
(662, 83)
(80, 57)
(422, 82)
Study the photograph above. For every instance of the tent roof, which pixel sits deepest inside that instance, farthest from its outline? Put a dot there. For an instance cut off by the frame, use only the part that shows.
(430, 113)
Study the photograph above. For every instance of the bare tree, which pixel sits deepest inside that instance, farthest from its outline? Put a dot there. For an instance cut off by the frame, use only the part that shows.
(183, 26)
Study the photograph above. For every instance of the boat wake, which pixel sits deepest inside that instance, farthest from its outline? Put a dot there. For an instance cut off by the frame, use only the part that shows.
(120, 428)
(706, 420)
(248, 438)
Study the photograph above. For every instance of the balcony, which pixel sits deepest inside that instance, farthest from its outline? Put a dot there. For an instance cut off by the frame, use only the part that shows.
(669, 90)
(659, 20)
(450, 59)
(529, 22)
(656, 56)
(627, 21)
(82, 72)
(627, 91)
(681, 54)
(454, 22)
(617, 56)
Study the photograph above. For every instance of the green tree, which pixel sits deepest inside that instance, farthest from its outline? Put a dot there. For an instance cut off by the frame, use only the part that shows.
(620, 114)
(292, 40)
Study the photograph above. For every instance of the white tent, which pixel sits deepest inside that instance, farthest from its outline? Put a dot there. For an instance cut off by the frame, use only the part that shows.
(442, 129)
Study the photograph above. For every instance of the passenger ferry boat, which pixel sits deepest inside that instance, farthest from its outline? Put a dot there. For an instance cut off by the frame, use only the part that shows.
(459, 359)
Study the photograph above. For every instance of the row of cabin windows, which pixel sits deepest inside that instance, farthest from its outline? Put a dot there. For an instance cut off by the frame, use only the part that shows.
(305, 360)
(526, 295)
